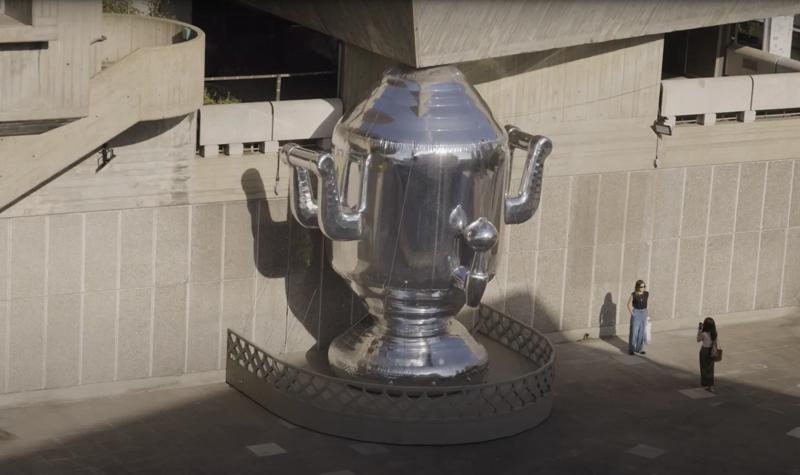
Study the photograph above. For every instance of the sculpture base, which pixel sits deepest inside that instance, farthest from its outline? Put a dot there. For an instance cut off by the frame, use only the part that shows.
(302, 389)
(372, 351)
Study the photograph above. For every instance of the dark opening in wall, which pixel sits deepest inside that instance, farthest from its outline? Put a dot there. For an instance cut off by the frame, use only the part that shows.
(695, 53)
(245, 41)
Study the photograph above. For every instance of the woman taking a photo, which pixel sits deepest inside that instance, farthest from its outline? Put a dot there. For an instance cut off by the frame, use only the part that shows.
(707, 333)
(637, 306)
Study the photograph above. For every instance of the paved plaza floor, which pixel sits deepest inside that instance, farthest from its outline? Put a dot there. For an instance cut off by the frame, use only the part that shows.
(613, 414)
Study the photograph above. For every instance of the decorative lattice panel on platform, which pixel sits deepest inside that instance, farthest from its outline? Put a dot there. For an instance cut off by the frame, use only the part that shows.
(413, 403)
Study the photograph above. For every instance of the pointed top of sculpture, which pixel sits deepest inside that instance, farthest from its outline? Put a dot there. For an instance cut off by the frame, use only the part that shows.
(433, 106)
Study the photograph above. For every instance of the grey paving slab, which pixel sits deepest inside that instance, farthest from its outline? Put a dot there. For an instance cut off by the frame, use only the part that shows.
(696, 393)
(266, 450)
(794, 432)
(369, 449)
(646, 451)
(629, 360)
(287, 424)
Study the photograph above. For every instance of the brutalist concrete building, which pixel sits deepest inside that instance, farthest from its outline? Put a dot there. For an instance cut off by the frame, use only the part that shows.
(138, 224)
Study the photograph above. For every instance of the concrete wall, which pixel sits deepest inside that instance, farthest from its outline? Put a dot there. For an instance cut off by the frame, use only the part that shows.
(135, 293)
(151, 83)
(596, 82)
(114, 275)
(119, 295)
(708, 240)
(45, 68)
(425, 33)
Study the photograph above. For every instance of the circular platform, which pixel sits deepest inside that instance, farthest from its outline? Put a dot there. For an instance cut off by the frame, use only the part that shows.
(516, 396)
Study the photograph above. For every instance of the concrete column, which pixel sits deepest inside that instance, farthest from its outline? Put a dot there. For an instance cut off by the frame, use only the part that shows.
(361, 70)
(778, 35)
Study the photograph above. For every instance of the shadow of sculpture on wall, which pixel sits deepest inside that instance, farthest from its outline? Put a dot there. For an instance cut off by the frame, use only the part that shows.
(533, 312)
(316, 296)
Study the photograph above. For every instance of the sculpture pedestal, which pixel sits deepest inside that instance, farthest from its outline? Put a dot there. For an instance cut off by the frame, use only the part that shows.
(301, 388)
(373, 351)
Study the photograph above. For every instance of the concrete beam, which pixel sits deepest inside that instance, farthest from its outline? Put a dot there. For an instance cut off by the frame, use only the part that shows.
(431, 32)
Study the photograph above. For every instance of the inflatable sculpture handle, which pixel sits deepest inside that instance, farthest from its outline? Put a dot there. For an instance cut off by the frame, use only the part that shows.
(522, 206)
(336, 221)
(481, 236)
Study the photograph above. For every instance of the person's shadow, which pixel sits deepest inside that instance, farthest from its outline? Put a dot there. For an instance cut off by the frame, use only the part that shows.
(316, 295)
(608, 324)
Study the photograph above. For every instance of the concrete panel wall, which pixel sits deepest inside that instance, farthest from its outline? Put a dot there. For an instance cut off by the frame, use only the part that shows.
(48, 77)
(121, 295)
(708, 240)
(118, 295)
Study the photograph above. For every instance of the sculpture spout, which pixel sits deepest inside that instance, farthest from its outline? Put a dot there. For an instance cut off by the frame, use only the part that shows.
(522, 206)
(481, 236)
(336, 221)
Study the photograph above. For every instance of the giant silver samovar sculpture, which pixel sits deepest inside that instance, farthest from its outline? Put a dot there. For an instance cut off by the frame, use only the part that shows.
(413, 197)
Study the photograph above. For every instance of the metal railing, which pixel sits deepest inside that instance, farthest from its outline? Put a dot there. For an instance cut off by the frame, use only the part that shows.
(278, 78)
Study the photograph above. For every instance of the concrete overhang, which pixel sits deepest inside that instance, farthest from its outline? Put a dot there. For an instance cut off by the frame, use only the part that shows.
(424, 33)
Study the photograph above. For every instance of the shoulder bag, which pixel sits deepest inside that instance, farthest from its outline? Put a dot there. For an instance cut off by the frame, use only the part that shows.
(716, 352)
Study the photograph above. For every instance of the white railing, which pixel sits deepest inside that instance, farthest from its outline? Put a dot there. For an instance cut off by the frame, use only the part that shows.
(230, 126)
(742, 95)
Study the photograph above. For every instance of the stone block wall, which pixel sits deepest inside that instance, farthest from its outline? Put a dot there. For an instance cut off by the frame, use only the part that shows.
(708, 240)
(119, 295)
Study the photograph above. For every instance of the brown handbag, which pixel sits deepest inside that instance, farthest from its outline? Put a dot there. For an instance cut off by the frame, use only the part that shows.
(716, 352)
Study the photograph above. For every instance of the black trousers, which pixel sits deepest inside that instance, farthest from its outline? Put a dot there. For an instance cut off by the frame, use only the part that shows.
(706, 367)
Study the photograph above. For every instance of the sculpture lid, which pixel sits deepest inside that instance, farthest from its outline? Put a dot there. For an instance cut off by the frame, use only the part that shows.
(423, 109)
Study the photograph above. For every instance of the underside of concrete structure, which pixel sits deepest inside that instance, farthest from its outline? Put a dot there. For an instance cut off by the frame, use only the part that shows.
(424, 33)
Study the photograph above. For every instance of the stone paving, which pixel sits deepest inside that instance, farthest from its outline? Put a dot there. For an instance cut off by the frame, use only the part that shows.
(609, 417)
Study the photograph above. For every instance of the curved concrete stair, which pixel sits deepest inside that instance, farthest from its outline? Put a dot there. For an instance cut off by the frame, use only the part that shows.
(150, 83)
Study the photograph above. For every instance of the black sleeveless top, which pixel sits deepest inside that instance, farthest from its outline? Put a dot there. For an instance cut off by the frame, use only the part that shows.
(640, 301)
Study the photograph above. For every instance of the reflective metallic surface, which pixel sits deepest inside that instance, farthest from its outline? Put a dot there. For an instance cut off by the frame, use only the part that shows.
(413, 197)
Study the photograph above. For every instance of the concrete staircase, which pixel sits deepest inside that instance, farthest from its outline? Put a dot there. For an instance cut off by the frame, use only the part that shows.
(30, 161)
(149, 83)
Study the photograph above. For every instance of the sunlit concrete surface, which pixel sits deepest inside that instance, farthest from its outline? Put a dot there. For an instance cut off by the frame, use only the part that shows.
(609, 416)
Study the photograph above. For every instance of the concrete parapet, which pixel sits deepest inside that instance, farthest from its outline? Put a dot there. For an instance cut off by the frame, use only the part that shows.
(786, 65)
(707, 119)
(746, 60)
(233, 149)
(305, 119)
(705, 95)
(265, 123)
(235, 123)
(776, 91)
(746, 116)
(209, 151)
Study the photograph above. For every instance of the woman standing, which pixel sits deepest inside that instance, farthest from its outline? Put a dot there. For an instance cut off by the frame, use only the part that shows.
(707, 333)
(637, 306)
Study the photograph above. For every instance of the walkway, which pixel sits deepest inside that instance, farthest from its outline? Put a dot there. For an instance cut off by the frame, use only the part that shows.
(613, 413)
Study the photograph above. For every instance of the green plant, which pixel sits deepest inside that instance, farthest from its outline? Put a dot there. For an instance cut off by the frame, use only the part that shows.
(153, 8)
(216, 97)
(120, 6)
